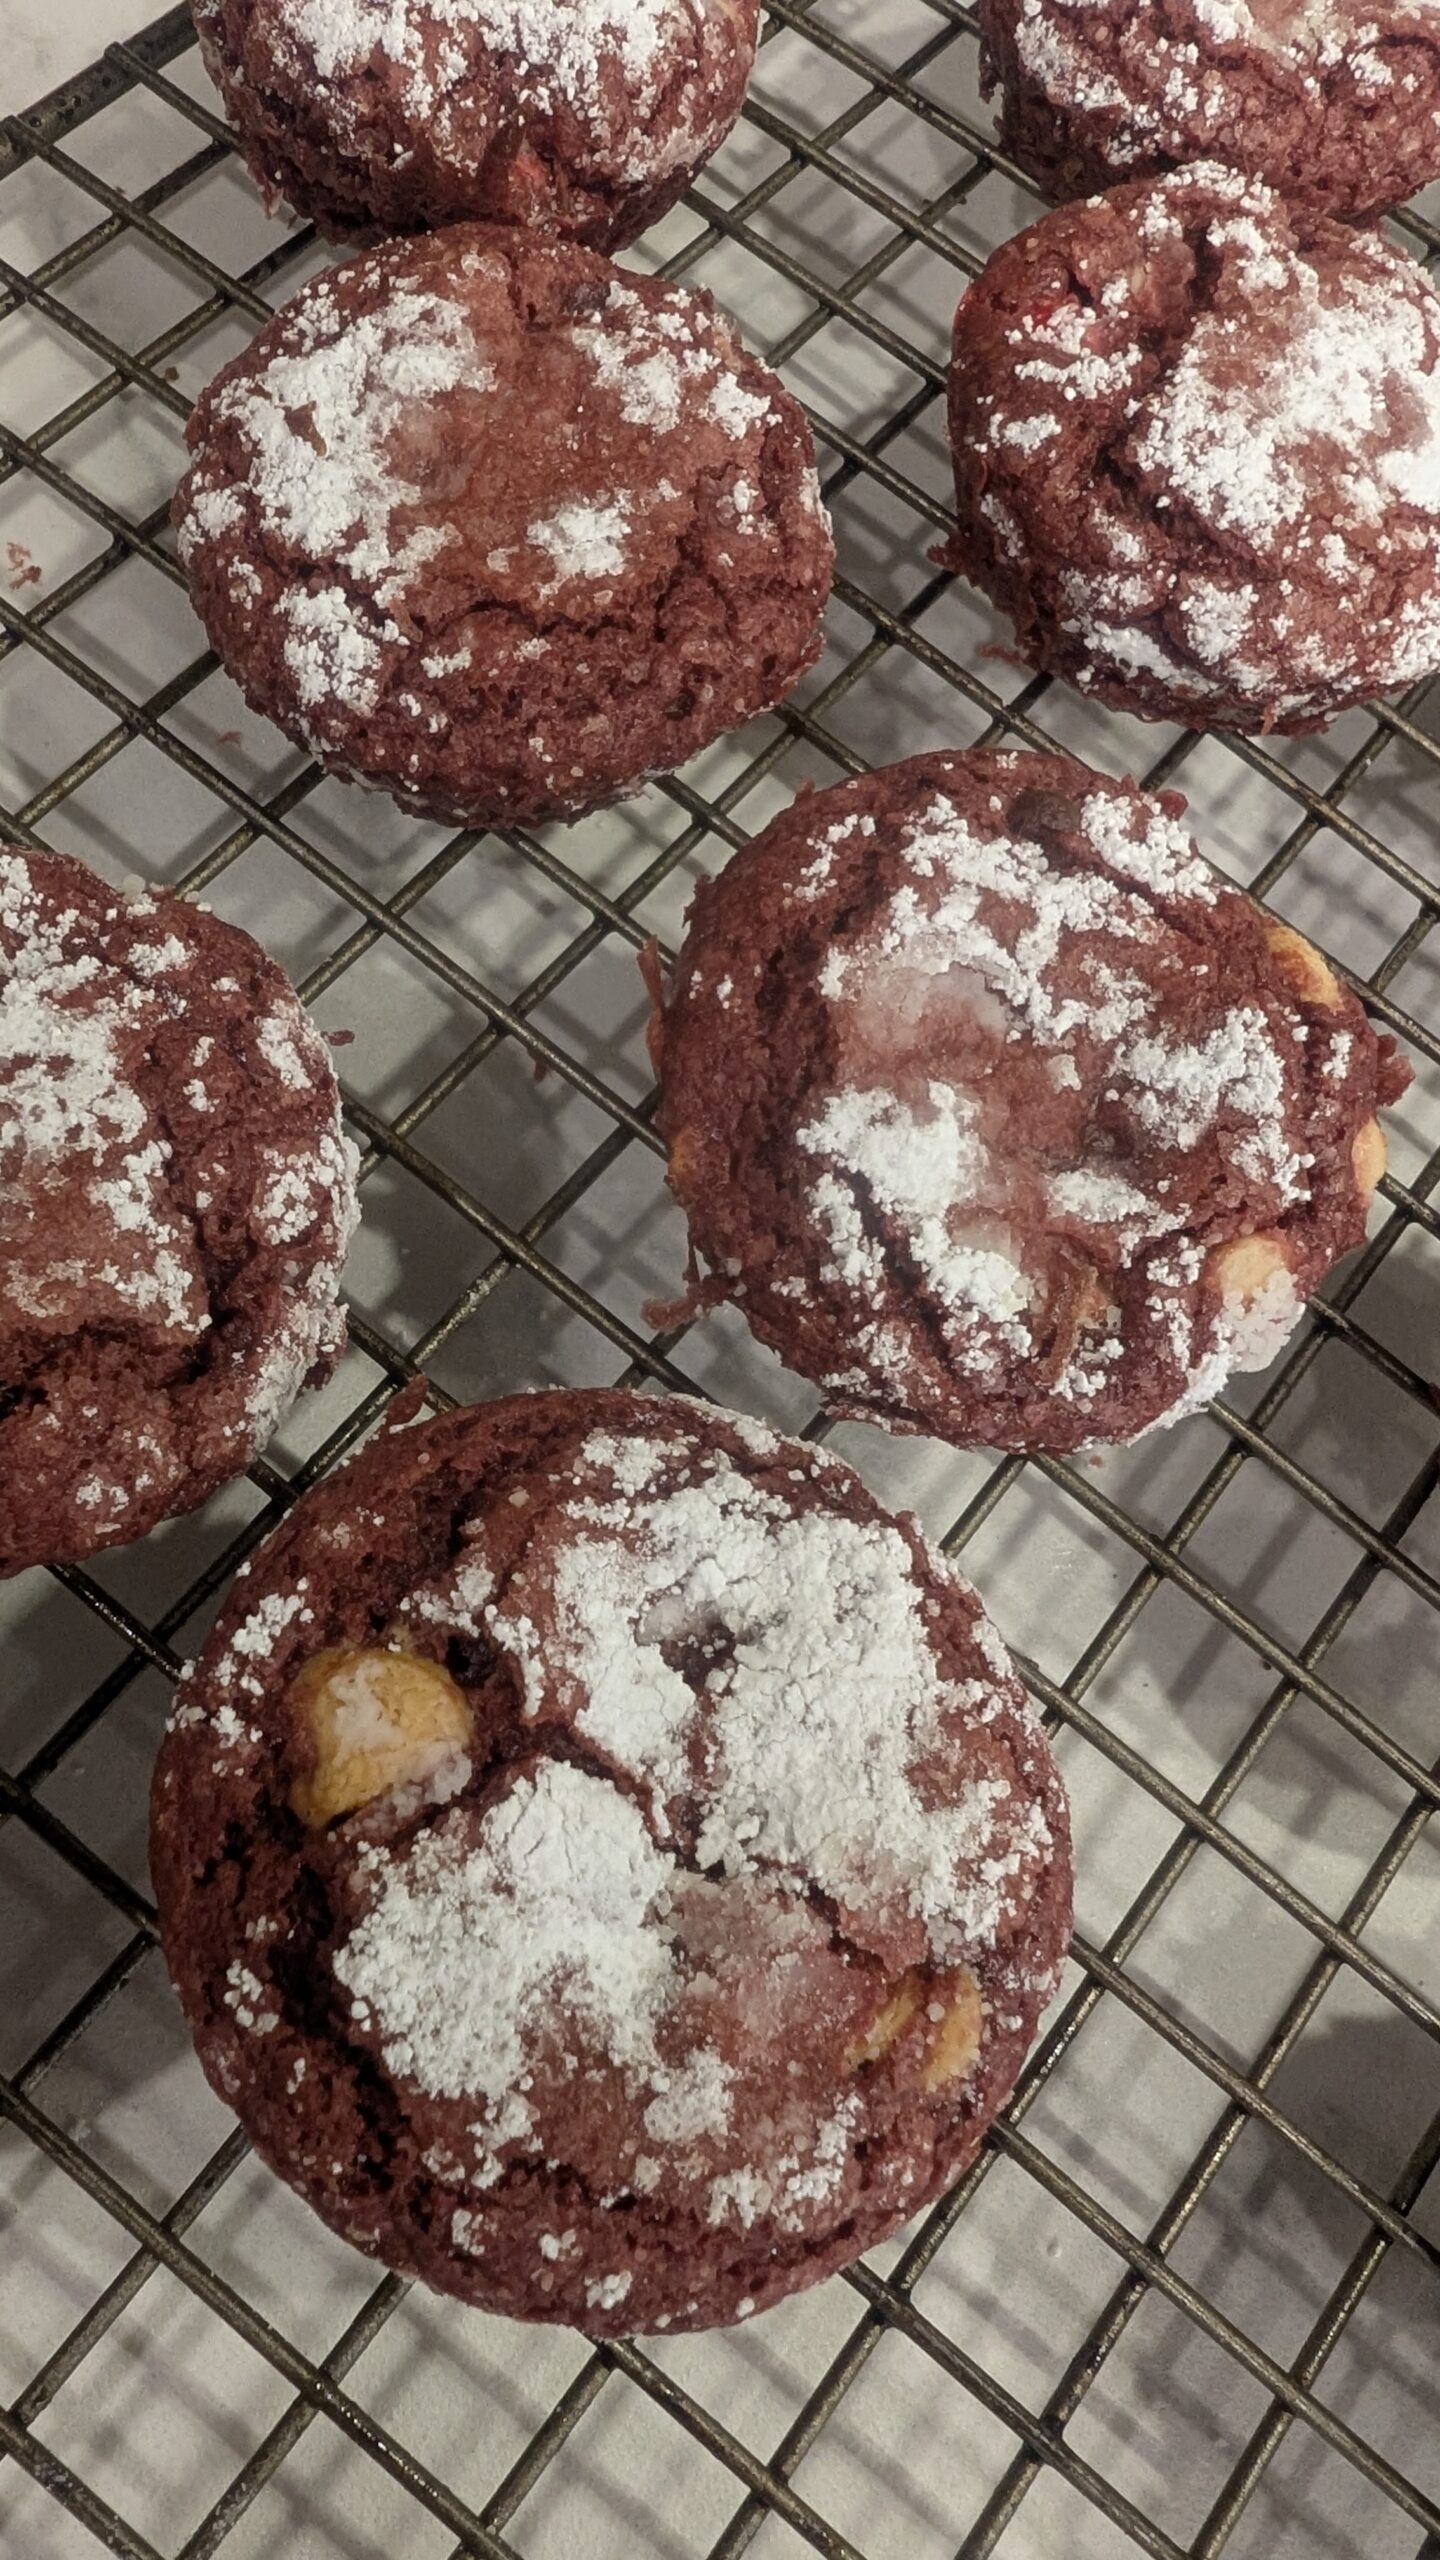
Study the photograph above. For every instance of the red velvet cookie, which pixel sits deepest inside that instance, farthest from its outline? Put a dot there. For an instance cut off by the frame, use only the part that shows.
(1335, 103)
(176, 1199)
(587, 118)
(484, 521)
(607, 1862)
(1197, 454)
(999, 1115)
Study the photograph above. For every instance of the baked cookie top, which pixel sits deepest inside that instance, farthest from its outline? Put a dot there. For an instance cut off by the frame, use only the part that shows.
(492, 523)
(608, 1863)
(1197, 452)
(1336, 103)
(569, 115)
(177, 1200)
(999, 1114)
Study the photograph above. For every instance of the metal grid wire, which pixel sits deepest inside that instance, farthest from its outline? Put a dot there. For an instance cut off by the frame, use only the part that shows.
(1109, 1972)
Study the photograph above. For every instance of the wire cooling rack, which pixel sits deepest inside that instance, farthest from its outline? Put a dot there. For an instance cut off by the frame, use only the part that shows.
(1189, 2298)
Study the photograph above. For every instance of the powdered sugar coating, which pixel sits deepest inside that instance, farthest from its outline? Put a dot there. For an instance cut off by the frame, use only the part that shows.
(322, 425)
(581, 115)
(560, 51)
(1351, 371)
(487, 493)
(747, 1757)
(1335, 102)
(1245, 527)
(971, 1148)
(471, 1941)
(142, 1307)
(583, 541)
(829, 1696)
(990, 915)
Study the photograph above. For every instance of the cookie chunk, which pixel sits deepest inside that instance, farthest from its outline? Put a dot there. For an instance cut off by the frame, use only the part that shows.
(1197, 454)
(176, 1199)
(999, 1115)
(587, 118)
(1335, 105)
(486, 522)
(607, 1862)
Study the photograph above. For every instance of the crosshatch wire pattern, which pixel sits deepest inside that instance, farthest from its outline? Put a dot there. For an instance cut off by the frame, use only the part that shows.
(1189, 2297)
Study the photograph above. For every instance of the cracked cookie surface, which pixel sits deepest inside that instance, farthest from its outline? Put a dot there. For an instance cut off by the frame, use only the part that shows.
(1336, 103)
(176, 1200)
(487, 523)
(587, 118)
(1002, 1117)
(1196, 437)
(608, 1863)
